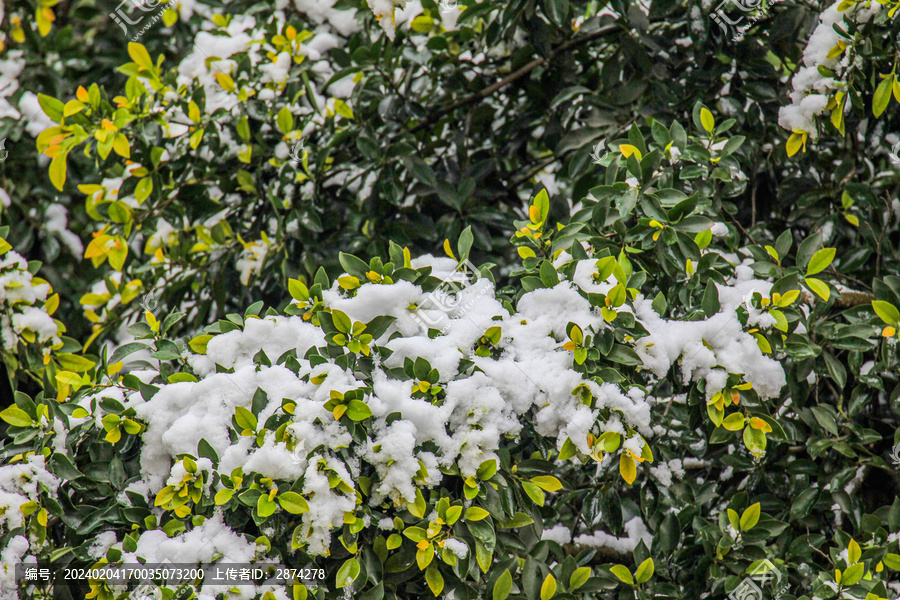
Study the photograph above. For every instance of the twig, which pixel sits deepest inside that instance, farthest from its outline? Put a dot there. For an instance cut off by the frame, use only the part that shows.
(514, 76)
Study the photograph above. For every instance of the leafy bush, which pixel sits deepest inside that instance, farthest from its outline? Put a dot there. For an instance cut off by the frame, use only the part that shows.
(678, 378)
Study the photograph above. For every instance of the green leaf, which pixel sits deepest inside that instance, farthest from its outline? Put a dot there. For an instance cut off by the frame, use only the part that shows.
(223, 496)
(542, 203)
(892, 561)
(358, 410)
(465, 243)
(418, 507)
(16, 417)
(285, 120)
(882, 96)
(644, 571)
(293, 503)
(434, 580)
(348, 573)
(416, 534)
(486, 470)
(750, 517)
(887, 311)
(622, 572)
(853, 574)
(73, 362)
(341, 321)
(52, 107)
(265, 507)
(503, 586)
(245, 419)
(734, 520)
(143, 189)
(533, 492)
(820, 261)
(579, 578)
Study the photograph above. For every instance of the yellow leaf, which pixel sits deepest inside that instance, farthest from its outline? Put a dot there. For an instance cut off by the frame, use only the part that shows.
(707, 120)
(627, 468)
(795, 142)
(58, 171)
(627, 150)
(448, 249)
(548, 588)
(139, 55)
(225, 81)
(121, 146)
(51, 304)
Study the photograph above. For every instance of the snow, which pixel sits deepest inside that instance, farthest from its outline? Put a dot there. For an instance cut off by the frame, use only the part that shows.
(811, 88)
(558, 533)
(457, 547)
(636, 532)
(57, 223)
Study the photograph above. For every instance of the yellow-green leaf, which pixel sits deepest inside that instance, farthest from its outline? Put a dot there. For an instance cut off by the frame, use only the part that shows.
(293, 503)
(750, 517)
(622, 572)
(887, 311)
(139, 55)
(245, 419)
(820, 261)
(16, 417)
(707, 120)
(347, 573)
(882, 96)
(819, 287)
(434, 580)
(627, 468)
(73, 362)
(853, 552)
(853, 574)
(579, 577)
(58, 171)
(733, 422)
(548, 483)
(476, 513)
(503, 586)
(644, 571)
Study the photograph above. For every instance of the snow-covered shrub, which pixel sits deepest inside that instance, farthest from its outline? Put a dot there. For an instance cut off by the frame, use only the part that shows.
(684, 366)
(513, 440)
(28, 332)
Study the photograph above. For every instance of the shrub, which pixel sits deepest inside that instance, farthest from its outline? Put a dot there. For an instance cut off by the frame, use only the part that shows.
(678, 379)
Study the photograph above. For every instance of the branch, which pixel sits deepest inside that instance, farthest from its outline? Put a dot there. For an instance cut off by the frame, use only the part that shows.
(514, 76)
